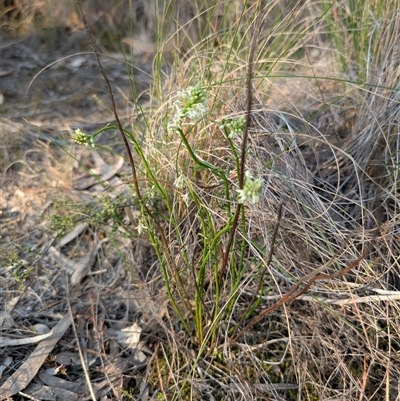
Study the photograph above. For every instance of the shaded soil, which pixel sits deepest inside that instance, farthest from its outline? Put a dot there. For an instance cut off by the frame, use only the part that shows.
(55, 83)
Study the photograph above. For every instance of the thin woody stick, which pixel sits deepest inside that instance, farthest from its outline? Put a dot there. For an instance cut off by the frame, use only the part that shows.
(294, 293)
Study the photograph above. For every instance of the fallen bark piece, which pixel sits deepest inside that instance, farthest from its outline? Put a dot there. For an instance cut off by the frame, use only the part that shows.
(42, 392)
(56, 382)
(5, 341)
(28, 370)
(78, 230)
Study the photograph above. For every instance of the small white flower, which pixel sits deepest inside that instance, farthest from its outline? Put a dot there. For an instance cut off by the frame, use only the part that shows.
(151, 193)
(191, 104)
(233, 127)
(179, 182)
(83, 139)
(187, 199)
(141, 227)
(196, 112)
(174, 126)
(252, 189)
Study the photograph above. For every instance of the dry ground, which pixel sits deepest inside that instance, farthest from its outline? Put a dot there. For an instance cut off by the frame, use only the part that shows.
(51, 85)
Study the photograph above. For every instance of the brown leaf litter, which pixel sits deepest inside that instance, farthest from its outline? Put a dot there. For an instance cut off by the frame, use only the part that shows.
(101, 302)
(70, 307)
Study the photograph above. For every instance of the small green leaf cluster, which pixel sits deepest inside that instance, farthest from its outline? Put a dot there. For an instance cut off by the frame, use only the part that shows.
(11, 255)
(66, 214)
(111, 211)
(62, 223)
(20, 273)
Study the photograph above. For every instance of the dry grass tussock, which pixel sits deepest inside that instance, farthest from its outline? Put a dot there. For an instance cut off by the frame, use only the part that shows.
(328, 153)
(328, 217)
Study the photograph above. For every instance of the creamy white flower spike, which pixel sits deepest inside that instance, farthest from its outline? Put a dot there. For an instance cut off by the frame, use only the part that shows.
(83, 139)
(191, 104)
(252, 189)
